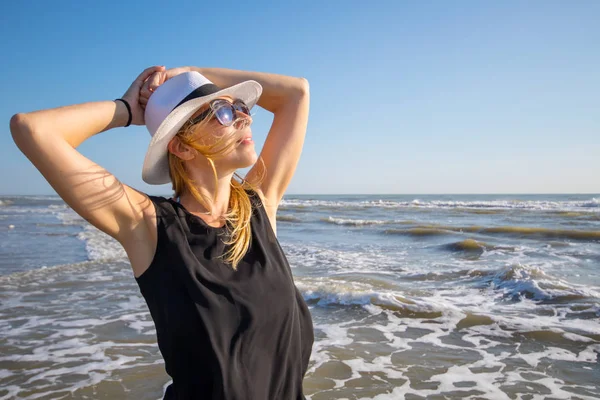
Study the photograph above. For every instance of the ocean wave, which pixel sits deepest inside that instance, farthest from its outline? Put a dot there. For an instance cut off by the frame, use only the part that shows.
(34, 197)
(59, 207)
(419, 231)
(513, 231)
(330, 292)
(365, 222)
(72, 219)
(515, 282)
(468, 245)
(45, 274)
(482, 206)
(288, 218)
(592, 203)
(507, 204)
(354, 222)
(520, 281)
(328, 260)
(100, 246)
(472, 248)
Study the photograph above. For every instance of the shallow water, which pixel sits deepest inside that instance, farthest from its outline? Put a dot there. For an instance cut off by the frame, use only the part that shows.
(411, 296)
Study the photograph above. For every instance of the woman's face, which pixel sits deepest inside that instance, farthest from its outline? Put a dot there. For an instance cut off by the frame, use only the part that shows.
(235, 140)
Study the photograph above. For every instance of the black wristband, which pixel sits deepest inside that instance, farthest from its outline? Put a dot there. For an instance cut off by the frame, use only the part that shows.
(128, 110)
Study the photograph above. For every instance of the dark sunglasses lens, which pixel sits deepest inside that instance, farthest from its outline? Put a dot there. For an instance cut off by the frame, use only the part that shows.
(241, 106)
(225, 114)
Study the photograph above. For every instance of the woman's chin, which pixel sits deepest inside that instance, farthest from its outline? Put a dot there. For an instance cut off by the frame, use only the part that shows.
(252, 160)
(247, 160)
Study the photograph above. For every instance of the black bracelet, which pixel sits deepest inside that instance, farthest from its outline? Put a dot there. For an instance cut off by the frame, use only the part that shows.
(128, 110)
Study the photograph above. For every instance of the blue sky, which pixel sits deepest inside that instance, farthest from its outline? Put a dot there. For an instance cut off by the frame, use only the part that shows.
(406, 97)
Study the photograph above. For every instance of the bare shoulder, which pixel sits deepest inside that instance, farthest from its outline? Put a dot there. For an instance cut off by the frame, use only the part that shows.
(141, 240)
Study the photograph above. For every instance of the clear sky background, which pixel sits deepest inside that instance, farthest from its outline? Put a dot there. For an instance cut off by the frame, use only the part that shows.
(406, 96)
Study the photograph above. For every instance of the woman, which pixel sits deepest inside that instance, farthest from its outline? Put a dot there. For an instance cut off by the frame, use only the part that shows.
(230, 322)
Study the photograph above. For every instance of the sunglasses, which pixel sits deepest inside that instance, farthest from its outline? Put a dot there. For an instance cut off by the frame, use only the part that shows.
(224, 111)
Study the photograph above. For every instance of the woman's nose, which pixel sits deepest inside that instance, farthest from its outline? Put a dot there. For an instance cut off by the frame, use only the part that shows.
(242, 120)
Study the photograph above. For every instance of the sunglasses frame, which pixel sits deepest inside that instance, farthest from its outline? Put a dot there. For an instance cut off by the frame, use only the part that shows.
(217, 104)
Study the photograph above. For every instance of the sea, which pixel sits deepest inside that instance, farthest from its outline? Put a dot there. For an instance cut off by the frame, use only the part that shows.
(412, 297)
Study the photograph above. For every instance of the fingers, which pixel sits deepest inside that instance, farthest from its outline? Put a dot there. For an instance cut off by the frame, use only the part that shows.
(153, 81)
(139, 81)
(176, 71)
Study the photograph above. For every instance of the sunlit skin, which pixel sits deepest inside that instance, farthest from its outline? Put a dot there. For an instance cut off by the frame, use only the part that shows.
(243, 155)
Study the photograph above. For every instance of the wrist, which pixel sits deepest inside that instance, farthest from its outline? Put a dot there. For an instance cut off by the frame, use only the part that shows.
(124, 103)
(121, 114)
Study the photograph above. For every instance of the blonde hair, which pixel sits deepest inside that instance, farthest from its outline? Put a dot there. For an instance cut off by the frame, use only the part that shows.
(237, 219)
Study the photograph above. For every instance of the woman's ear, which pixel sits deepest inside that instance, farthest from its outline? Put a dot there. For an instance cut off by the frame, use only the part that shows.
(181, 150)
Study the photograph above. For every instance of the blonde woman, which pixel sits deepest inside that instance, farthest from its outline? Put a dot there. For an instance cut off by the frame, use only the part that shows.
(230, 322)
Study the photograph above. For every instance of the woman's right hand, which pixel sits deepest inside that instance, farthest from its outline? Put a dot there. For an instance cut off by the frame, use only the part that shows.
(157, 79)
(132, 95)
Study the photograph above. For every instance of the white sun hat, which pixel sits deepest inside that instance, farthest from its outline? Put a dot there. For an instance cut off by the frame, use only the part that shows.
(175, 102)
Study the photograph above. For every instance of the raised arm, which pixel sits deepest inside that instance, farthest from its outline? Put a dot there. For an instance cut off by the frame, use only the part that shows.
(288, 99)
(49, 137)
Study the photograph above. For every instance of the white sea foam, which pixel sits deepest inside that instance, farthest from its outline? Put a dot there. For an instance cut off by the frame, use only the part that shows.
(487, 374)
(314, 257)
(70, 217)
(355, 222)
(55, 323)
(559, 354)
(4, 373)
(58, 207)
(100, 246)
(535, 205)
(53, 197)
(489, 303)
(518, 280)
(592, 203)
(577, 338)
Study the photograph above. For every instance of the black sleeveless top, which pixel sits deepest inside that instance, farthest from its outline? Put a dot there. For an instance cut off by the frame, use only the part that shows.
(225, 334)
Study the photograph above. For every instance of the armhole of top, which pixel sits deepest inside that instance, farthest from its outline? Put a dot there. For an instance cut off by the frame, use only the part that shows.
(259, 207)
(257, 203)
(156, 202)
(255, 198)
